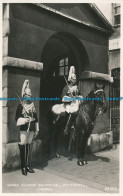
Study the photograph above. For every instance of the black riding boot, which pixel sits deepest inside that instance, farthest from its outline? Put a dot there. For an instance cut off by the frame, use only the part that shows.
(28, 158)
(23, 158)
(66, 130)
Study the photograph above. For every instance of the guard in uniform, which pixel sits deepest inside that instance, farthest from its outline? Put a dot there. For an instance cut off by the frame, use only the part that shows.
(71, 91)
(68, 105)
(26, 118)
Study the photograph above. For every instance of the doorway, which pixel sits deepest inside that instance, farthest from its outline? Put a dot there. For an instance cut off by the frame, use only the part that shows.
(61, 51)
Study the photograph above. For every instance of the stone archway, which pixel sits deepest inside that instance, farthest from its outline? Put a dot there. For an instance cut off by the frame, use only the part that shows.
(60, 46)
(63, 44)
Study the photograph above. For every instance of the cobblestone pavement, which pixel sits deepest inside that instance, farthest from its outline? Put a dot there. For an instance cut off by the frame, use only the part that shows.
(101, 174)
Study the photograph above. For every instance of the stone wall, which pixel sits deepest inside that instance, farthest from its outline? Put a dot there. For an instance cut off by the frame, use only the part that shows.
(32, 26)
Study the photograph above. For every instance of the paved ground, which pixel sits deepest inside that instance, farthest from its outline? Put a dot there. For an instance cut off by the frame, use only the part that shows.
(63, 176)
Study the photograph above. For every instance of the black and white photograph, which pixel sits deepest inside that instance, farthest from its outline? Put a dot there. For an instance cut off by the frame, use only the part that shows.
(61, 97)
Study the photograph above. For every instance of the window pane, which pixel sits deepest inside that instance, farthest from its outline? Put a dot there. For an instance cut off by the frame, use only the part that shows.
(61, 71)
(61, 62)
(117, 10)
(117, 4)
(66, 61)
(66, 70)
(116, 19)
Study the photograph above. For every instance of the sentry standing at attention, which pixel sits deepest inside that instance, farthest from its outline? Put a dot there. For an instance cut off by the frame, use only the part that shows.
(26, 118)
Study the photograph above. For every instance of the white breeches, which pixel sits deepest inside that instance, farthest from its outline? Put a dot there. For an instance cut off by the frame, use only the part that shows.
(26, 137)
(73, 107)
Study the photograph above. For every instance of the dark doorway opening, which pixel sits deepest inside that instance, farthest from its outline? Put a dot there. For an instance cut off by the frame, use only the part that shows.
(61, 51)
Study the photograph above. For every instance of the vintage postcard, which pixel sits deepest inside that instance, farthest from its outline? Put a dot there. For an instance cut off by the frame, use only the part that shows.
(61, 96)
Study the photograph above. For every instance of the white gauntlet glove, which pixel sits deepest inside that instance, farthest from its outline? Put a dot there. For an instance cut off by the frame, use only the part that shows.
(22, 121)
(37, 130)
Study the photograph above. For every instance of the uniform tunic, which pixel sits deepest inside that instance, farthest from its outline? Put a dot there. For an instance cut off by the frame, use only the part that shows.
(71, 106)
(31, 112)
(73, 89)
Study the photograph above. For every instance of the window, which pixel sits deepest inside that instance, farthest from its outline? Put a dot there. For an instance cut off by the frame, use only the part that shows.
(116, 11)
(63, 68)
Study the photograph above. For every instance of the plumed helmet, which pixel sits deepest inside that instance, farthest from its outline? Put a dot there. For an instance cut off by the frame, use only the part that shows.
(25, 89)
(72, 74)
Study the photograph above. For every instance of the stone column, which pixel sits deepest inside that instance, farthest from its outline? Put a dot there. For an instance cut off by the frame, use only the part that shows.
(6, 31)
(6, 28)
